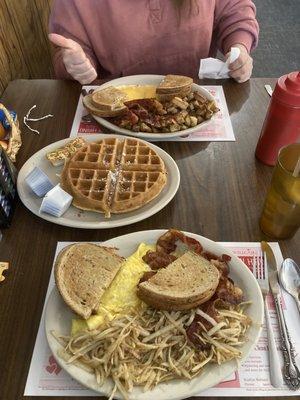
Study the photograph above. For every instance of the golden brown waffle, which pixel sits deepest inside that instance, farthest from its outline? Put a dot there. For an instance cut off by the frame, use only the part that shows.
(114, 176)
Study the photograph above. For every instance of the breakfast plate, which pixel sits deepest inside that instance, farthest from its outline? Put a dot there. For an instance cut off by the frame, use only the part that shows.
(58, 318)
(77, 218)
(149, 80)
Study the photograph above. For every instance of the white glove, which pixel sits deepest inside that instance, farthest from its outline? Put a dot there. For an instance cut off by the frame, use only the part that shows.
(76, 62)
(241, 68)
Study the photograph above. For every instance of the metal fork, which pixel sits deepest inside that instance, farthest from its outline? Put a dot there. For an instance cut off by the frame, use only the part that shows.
(260, 272)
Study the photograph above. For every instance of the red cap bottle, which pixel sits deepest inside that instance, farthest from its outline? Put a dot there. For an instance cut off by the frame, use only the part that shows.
(282, 123)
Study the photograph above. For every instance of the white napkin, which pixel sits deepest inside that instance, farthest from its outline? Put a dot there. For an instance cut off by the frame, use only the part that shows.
(216, 69)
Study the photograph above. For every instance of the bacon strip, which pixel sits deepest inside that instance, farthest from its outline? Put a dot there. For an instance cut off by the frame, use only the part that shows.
(195, 328)
(228, 292)
(147, 275)
(157, 260)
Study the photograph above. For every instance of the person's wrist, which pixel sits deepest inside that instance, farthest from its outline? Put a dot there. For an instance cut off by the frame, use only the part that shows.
(238, 37)
(241, 46)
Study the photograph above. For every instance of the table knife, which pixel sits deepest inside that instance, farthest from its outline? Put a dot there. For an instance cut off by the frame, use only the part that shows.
(291, 373)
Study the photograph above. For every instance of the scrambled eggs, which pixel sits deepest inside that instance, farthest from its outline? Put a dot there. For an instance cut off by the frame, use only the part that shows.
(120, 298)
(135, 92)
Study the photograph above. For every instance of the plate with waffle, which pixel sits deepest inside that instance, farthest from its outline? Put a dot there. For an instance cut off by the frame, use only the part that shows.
(114, 180)
(151, 106)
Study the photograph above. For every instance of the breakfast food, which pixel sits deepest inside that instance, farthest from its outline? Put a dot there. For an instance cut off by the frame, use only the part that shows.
(136, 92)
(15, 141)
(114, 176)
(108, 102)
(83, 272)
(135, 344)
(174, 86)
(60, 155)
(120, 298)
(109, 98)
(150, 348)
(177, 114)
(173, 107)
(186, 283)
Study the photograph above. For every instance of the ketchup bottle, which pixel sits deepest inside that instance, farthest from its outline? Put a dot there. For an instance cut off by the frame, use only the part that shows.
(282, 123)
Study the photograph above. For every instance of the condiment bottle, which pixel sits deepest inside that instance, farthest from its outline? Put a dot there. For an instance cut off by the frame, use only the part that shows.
(282, 123)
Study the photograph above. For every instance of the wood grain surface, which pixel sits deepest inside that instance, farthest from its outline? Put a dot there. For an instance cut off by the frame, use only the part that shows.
(24, 45)
(221, 195)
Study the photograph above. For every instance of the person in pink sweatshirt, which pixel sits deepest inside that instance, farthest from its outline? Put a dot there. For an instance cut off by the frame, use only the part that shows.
(112, 38)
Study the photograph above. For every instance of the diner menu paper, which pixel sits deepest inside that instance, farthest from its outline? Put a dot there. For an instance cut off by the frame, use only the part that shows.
(212, 68)
(219, 128)
(46, 378)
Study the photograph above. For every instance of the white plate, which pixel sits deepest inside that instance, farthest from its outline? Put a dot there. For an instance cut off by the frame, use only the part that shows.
(149, 80)
(58, 317)
(88, 219)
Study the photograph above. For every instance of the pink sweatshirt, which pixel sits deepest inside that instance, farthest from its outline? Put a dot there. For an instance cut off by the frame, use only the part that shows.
(127, 37)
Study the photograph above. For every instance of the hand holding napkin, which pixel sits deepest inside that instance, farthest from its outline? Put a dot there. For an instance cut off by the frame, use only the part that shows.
(238, 65)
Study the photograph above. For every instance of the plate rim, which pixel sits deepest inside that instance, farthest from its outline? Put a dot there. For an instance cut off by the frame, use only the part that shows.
(154, 234)
(145, 135)
(165, 200)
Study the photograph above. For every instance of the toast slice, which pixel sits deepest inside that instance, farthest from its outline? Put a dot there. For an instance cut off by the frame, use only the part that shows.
(83, 271)
(174, 84)
(169, 96)
(184, 284)
(109, 98)
(105, 113)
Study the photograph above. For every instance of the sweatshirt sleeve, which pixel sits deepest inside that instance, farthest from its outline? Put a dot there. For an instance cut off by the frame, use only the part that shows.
(234, 23)
(65, 20)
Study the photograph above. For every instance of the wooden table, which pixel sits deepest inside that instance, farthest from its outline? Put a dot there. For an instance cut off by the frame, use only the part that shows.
(221, 195)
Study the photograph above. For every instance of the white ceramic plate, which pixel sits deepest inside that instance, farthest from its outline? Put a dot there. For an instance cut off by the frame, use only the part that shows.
(88, 219)
(149, 80)
(58, 317)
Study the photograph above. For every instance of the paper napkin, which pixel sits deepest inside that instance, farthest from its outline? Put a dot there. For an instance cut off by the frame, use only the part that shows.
(216, 69)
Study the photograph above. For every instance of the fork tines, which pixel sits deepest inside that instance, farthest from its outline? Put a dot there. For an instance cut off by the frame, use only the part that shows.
(260, 272)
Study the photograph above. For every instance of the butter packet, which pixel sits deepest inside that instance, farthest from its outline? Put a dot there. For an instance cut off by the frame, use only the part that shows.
(60, 155)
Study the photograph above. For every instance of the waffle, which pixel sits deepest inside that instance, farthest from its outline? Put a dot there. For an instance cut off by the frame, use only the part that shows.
(114, 176)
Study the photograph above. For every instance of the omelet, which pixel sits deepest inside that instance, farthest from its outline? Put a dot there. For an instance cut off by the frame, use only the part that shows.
(120, 298)
(135, 92)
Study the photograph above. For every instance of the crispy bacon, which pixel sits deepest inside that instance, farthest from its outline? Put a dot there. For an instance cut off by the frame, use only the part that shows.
(157, 260)
(154, 120)
(140, 111)
(128, 118)
(225, 258)
(149, 105)
(211, 256)
(193, 244)
(195, 328)
(167, 242)
(222, 267)
(228, 292)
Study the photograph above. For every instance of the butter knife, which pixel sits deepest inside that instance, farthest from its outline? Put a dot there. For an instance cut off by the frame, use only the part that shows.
(291, 373)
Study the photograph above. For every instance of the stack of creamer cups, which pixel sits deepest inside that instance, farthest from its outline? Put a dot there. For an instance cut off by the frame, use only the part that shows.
(55, 200)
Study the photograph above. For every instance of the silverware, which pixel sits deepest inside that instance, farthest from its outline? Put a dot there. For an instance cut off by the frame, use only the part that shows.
(291, 373)
(269, 90)
(289, 276)
(261, 273)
